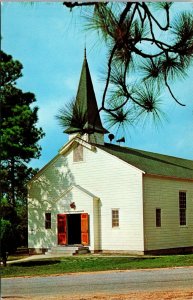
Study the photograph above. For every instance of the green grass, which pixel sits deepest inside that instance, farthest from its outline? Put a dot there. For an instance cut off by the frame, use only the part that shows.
(92, 263)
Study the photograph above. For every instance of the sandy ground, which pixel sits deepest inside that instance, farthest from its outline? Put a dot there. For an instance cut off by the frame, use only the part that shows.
(158, 295)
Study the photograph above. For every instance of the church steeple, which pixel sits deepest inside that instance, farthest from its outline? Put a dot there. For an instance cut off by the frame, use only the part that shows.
(86, 102)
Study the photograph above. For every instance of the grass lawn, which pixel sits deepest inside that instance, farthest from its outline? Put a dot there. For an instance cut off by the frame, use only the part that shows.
(92, 263)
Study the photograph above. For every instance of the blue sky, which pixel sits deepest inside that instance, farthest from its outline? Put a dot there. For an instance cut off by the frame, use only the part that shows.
(49, 41)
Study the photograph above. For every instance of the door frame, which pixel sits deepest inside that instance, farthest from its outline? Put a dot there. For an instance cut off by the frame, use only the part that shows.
(84, 229)
(62, 225)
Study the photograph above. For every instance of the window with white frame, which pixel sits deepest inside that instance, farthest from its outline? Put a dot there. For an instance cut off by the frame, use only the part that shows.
(78, 153)
(182, 208)
(115, 218)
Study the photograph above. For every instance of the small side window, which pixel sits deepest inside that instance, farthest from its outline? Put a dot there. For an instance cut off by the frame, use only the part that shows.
(78, 153)
(115, 218)
(158, 217)
(182, 208)
(48, 222)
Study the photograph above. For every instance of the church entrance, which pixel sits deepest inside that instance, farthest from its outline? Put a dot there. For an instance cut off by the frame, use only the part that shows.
(73, 229)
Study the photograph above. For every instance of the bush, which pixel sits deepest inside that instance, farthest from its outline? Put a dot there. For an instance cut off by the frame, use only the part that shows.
(8, 237)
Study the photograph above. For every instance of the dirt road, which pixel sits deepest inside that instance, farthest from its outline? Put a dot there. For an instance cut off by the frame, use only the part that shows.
(159, 295)
(158, 284)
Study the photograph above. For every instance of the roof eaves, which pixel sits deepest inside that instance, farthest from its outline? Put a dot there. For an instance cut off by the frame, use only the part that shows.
(77, 139)
(86, 192)
(70, 188)
(169, 177)
(38, 174)
(67, 146)
(64, 148)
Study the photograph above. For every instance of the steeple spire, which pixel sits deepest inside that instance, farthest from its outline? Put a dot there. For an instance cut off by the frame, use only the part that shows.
(87, 104)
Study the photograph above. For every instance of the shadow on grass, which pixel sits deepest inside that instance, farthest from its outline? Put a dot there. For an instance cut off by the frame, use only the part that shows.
(133, 259)
(36, 263)
(141, 258)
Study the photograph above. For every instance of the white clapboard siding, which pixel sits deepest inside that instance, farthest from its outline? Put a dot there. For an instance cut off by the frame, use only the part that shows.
(164, 193)
(116, 185)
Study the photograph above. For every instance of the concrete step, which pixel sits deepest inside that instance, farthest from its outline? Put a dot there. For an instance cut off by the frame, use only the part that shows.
(61, 248)
(58, 254)
(82, 250)
(67, 250)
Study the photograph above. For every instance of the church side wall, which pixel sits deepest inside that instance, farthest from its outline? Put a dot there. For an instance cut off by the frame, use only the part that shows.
(164, 194)
(118, 186)
(115, 183)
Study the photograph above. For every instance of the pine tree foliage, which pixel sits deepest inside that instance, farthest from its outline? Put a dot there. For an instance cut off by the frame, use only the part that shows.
(142, 41)
(72, 115)
(19, 134)
(19, 144)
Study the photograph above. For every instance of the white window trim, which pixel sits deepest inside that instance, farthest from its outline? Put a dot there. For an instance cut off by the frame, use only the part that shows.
(115, 227)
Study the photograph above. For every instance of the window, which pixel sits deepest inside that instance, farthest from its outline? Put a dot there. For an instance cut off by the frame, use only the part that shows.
(48, 220)
(182, 208)
(158, 217)
(78, 153)
(115, 218)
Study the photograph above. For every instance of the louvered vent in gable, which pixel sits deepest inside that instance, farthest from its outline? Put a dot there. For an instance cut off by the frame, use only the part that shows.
(78, 153)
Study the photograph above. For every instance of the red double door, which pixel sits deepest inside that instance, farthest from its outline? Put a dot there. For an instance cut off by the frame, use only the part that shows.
(73, 229)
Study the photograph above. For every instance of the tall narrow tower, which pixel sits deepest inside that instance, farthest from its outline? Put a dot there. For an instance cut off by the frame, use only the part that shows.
(92, 129)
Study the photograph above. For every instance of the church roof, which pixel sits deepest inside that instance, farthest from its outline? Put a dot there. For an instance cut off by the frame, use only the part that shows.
(152, 163)
(87, 104)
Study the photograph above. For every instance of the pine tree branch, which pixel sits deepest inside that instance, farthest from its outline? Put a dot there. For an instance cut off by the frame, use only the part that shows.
(125, 31)
(125, 12)
(145, 55)
(171, 93)
(160, 44)
(121, 20)
(108, 74)
(78, 4)
(151, 17)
